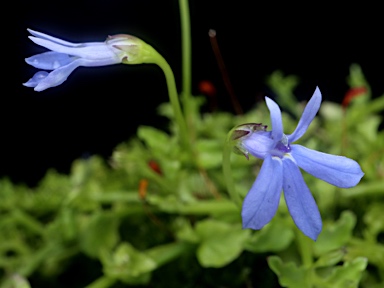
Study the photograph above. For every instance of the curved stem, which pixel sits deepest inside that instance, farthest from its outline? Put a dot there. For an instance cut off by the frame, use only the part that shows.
(173, 96)
(228, 172)
(147, 54)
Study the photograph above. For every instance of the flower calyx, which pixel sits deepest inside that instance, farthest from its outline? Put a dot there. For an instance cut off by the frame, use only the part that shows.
(241, 131)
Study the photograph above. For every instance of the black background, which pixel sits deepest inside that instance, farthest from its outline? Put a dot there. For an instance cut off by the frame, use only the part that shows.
(97, 108)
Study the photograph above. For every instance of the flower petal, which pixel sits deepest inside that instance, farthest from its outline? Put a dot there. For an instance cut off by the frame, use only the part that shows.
(261, 202)
(336, 170)
(96, 51)
(299, 199)
(52, 39)
(49, 60)
(277, 124)
(307, 117)
(58, 76)
(258, 143)
(36, 79)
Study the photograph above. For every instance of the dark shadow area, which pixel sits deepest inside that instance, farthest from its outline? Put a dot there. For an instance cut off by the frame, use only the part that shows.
(98, 108)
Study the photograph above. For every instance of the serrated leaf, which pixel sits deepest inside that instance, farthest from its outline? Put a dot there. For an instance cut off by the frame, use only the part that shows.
(335, 235)
(289, 274)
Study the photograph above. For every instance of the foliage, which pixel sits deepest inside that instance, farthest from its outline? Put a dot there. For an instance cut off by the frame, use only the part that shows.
(158, 213)
(149, 211)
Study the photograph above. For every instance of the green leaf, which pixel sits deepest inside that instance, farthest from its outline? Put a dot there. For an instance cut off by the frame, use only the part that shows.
(289, 274)
(102, 282)
(348, 275)
(372, 188)
(155, 139)
(165, 253)
(17, 281)
(275, 236)
(67, 222)
(100, 233)
(374, 252)
(356, 77)
(335, 235)
(331, 111)
(330, 258)
(374, 218)
(128, 265)
(283, 86)
(172, 204)
(184, 230)
(368, 128)
(209, 153)
(221, 242)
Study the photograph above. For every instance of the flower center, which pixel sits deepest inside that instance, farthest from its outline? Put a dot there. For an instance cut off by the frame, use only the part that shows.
(282, 147)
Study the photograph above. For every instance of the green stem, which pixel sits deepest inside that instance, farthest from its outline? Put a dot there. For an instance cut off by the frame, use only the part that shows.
(163, 254)
(145, 53)
(305, 249)
(159, 60)
(228, 172)
(102, 282)
(185, 53)
(35, 261)
(208, 207)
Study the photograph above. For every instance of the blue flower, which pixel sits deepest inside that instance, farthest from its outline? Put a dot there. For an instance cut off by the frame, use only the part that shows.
(65, 57)
(280, 170)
